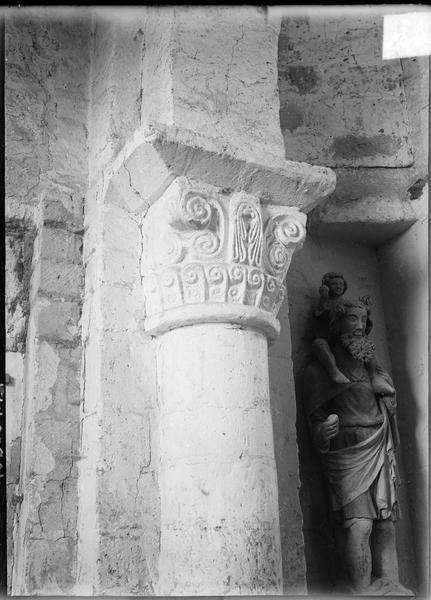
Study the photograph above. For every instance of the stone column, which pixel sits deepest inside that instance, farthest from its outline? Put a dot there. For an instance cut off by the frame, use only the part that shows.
(213, 272)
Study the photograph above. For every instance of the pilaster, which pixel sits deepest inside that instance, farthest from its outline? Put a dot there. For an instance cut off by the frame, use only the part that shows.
(191, 219)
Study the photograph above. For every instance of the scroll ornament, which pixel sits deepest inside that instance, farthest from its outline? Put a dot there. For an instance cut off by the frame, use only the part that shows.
(206, 247)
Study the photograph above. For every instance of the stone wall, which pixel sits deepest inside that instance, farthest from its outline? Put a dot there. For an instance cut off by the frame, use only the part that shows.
(118, 489)
(404, 274)
(46, 112)
(339, 97)
(343, 106)
(284, 416)
(14, 412)
(19, 251)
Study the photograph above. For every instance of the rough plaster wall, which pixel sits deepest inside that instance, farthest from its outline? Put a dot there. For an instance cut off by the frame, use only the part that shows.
(339, 96)
(404, 271)
(359, 266)
(45, 100)
(119, 503)
(415, 77)
(226, 94)
(192, 84)
(14, 409)
(46, 538)
(344, 107)
(19, 250)
(116, 85)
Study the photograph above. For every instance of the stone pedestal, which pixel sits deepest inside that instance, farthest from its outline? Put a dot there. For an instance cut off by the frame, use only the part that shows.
(213, 275)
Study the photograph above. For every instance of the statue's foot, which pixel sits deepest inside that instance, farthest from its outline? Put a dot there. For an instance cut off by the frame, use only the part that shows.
(381, 386)
(338, 377)
(386, 587)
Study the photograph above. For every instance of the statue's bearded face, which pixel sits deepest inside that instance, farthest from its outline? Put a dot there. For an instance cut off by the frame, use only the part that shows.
(352, 332)
(354, 321)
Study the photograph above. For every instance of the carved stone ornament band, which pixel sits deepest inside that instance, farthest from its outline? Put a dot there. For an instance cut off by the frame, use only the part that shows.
(215, 256)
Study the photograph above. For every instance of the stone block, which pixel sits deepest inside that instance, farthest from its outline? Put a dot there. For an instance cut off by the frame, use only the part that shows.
(356, 125)
(59, 279)
(119, 571)
(18, 259)
(66, 390)
(224, 97)
(59, 438)
(45, 366)
(124, 192)
(60, 245)
(14, 409)
(58, 321)
(120, 267)
(50, 511)
(121, 230)
(54, 567)
(127, 434)
(14, 405)
(124, 375)
(121, 307)
(64, 210)
(57, 384)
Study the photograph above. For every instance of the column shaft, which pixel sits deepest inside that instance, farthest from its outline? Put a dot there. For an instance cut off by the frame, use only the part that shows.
(218, 481)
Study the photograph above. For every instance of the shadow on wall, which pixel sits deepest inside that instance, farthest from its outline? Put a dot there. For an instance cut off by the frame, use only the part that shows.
(322, 564)
(403, 267)
(320, 550)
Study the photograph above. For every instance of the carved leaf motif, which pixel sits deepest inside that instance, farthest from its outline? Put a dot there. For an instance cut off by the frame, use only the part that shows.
(236, 273)
(248, 235)
(217, 283)
(195, 211)
(194, 283)
(170, 289)
(204, 248)
(170, 250)
(280, 297)
(206, 244)
(278, 257)
(255, 278)
(198, 221)
(283, 233)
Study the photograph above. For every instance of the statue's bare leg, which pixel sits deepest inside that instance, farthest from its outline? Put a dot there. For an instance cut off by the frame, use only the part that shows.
(358, 552)
(385, 560)
(340, 540)
(340, 544)
(323, 353)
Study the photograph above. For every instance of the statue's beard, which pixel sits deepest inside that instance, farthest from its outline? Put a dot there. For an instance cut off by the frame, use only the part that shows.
(359, 348)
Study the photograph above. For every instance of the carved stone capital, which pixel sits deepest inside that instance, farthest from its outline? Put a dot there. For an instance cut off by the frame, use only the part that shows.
(213, 255)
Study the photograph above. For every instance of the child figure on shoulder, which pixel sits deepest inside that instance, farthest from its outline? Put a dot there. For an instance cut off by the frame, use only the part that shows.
(331, 293)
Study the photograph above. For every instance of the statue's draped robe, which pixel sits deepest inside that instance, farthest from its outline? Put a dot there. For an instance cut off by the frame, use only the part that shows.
(360, 464)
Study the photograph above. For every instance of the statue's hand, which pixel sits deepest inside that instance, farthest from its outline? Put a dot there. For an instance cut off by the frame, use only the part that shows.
(329, 428)
(324, 292)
